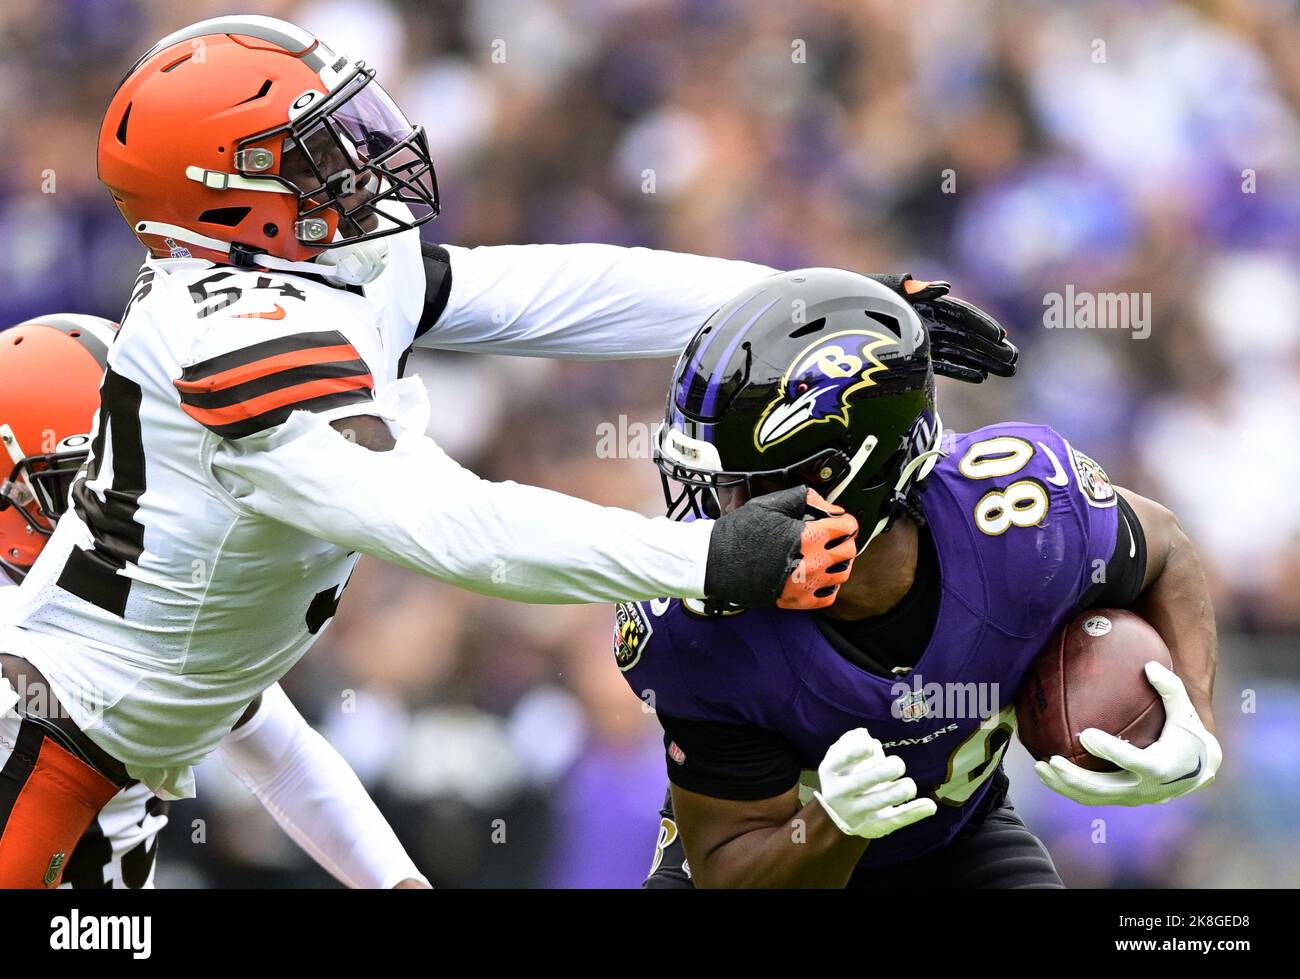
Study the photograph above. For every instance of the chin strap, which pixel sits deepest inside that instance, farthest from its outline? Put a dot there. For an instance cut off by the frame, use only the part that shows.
(859, 460)
(353, 265)
(356, 264)
(916, 470)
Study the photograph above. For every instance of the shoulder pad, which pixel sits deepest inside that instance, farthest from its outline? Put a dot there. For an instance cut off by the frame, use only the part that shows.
(259, 353)
(1040, 516)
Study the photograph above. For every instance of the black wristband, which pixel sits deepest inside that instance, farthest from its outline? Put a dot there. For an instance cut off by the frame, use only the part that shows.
(892, 281)
(754, 549)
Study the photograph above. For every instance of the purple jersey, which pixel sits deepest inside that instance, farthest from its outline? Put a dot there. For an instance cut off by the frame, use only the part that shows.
(1022, 525)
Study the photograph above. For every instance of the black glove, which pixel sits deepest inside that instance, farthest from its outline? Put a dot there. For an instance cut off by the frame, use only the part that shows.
(966, 343)
(766, 553)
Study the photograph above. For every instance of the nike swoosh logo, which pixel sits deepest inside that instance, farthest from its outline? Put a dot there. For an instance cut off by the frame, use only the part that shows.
(1183, 778)
(1060, 477)
(274, 314)
(1132, 540)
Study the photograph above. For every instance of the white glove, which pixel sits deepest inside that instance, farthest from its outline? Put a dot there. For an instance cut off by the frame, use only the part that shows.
(1185, 757)
(863, 791)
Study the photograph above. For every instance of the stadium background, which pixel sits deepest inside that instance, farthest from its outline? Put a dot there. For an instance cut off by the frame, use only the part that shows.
(1109, 146)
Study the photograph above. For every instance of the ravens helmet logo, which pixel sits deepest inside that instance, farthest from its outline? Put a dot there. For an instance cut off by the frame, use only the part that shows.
(820, 381)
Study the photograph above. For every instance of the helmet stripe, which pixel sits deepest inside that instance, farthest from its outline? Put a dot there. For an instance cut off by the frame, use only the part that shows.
(697, 366)
(94, 333)
(290, 37)
(95, 346)
(720, 370)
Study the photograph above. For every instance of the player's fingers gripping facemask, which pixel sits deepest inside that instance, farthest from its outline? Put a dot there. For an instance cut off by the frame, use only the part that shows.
(247, 141)
(50, 371)
(765, 552)
(817, 377)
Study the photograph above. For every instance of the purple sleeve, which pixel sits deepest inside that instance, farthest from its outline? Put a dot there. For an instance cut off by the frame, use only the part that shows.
(1094, 498)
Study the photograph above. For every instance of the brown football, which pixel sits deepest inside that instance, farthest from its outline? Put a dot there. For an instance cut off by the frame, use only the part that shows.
(1091, 674)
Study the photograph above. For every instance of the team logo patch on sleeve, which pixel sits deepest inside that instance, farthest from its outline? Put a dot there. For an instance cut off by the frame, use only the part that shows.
(1093, 481)
(250, 390)
(632, 631)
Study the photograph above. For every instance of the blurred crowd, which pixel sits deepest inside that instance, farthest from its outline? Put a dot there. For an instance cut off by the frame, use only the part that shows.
(1017, 149)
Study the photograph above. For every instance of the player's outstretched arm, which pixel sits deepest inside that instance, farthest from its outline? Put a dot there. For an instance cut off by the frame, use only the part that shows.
(404, 500)
(315, 796)
(592, 302)
(581, 301)
(1175, 599)
(773, 843)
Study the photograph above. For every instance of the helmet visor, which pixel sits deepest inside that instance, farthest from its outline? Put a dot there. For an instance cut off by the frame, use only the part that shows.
(356, 158)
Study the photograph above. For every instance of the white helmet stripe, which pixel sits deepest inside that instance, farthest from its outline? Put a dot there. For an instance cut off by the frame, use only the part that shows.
(271, 29)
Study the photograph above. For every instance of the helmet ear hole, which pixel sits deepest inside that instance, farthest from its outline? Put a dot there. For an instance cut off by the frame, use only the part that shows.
(260, 93)
(227, 217)
(889, 322)
(121, 126)
(809, 328)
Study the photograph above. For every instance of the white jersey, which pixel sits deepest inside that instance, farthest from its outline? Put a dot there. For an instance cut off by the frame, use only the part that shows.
(118, 848)
(221, 514)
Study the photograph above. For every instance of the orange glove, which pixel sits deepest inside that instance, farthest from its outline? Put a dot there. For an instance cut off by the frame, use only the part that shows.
(767, 553)
(828, 546)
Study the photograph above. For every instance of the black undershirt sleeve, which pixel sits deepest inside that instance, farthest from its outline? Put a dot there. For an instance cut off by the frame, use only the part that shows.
(740, 762)
(1126, 568)
(437, 285)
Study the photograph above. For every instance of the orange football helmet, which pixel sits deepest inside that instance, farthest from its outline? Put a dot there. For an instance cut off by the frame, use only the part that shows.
(50, 372)
(247, 141)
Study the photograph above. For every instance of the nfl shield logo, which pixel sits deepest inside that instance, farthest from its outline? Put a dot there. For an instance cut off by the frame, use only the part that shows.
(911, 706)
